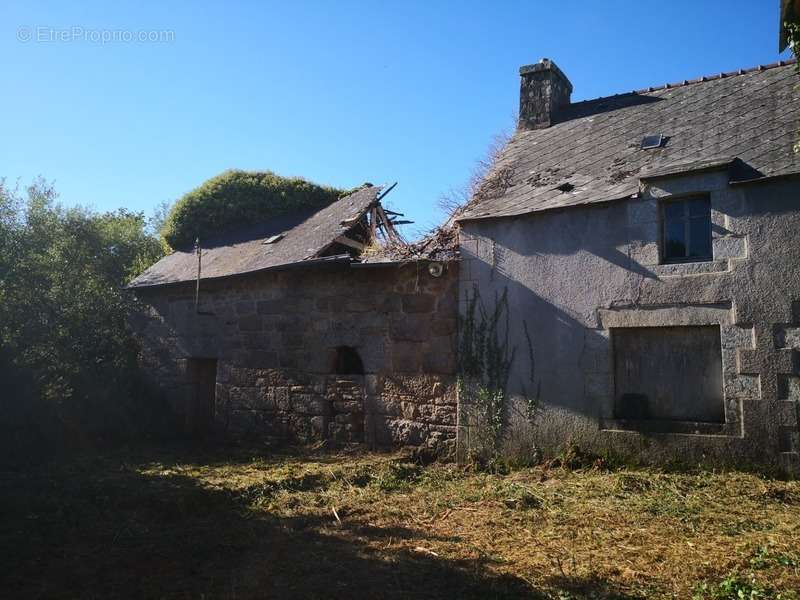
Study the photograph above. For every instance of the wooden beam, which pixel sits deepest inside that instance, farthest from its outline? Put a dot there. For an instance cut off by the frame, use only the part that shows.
(346, 241)
(393, 235)
(386, 191)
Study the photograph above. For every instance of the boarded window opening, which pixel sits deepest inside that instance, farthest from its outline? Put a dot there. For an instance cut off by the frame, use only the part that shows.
(347, 362)
(668, 373)
(200, 412)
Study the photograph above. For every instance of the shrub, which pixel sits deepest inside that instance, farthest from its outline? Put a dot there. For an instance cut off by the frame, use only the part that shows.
(67, 359)
(234, 198)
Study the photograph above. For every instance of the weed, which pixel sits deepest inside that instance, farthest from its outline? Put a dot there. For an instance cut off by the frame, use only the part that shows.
(260, 493)
(635, 483)
(734, 587)
(765, 557)
(675, 507)
(572, 457)
(485, 359)
(745, 525)
(519, 497)
(396, 476)
(779, 493)
(359, 477)
(215, 522)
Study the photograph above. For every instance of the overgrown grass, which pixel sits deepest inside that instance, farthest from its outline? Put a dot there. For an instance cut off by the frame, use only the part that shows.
(237, 523)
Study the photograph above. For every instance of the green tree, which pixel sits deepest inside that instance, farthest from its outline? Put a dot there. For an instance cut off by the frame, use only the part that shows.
(65, 349)
(790, 19)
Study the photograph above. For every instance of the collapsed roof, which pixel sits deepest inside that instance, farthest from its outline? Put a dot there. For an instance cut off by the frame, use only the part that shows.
(340, 231)
(593, 151)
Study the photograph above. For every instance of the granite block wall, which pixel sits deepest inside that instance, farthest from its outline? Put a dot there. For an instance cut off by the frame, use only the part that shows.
(277, 338)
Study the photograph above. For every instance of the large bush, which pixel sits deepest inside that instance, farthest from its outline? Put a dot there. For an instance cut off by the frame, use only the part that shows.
(68, 363)
(234, 198)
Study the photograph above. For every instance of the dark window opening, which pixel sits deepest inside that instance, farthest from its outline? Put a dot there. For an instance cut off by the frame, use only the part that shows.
(347, 362)
(686, 230)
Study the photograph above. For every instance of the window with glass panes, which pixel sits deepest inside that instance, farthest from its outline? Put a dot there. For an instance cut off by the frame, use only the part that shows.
(686, 234)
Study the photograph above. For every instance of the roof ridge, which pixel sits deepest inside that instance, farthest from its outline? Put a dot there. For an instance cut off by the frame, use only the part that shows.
(703, 79)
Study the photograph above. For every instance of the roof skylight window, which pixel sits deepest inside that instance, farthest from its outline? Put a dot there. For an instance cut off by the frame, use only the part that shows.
(652, 141)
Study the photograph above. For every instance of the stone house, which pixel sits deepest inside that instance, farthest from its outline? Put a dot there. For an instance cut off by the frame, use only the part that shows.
(650, 242)
(647, 244)
(291, 330)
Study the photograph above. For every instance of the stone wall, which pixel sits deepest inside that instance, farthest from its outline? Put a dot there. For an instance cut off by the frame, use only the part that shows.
(275, 337)
(576, 275)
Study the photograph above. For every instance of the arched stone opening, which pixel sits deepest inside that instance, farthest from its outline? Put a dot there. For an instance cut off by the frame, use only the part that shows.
(346, 361)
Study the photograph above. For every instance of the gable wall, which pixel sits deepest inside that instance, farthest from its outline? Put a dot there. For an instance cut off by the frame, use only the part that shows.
(274, 337)
(575, 275)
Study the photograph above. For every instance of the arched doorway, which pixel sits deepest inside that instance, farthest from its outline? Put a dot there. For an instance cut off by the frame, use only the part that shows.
(345, 395)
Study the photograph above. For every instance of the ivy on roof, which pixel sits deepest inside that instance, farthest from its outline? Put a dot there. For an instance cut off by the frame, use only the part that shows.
(236, 198)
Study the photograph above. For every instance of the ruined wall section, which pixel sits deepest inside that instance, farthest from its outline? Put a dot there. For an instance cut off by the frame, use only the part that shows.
(275, 338)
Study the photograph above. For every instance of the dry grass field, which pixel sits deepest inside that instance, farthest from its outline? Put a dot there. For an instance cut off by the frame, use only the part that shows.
(235, 523)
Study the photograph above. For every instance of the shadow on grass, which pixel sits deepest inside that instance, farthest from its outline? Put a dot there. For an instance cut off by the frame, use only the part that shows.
(100, 529)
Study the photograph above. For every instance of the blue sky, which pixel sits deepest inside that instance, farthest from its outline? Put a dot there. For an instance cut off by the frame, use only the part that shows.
(338, 92)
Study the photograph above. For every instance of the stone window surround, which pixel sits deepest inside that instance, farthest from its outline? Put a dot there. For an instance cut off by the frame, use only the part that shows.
(646, 226)
(685, 220)
(645, 222)
(736, 386)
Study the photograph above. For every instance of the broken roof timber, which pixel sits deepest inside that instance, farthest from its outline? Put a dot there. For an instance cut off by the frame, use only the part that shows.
(306, 235)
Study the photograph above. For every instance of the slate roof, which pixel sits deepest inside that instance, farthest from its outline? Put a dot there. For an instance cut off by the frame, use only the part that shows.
(306, 234)
(752, 116)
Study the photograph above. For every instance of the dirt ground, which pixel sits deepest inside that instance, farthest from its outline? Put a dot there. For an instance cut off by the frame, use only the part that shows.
(176, 522)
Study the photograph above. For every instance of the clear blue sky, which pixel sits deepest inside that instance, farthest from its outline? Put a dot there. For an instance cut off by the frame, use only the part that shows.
(338, 92)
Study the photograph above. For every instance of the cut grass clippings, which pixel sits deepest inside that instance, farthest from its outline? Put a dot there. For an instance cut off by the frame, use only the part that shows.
(235, 523)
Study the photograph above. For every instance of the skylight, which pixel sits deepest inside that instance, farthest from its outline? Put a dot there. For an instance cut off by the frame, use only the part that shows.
(652, 141)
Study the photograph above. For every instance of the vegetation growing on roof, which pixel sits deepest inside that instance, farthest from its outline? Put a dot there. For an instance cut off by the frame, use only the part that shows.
(236, 198)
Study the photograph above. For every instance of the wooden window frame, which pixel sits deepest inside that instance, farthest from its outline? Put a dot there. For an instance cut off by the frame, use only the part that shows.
(687, 219)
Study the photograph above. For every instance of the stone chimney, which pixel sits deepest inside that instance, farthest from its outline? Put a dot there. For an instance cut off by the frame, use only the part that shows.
(543, 92)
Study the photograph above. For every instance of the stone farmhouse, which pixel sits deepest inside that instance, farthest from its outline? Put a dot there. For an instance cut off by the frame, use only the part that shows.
(651, 243)
(291, 332)
(647, 243)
